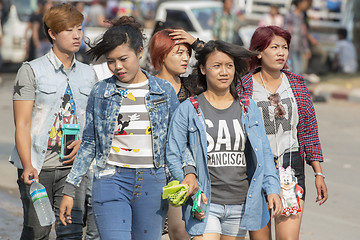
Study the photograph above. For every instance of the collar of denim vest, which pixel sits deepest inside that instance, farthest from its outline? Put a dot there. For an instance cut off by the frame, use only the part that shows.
(57, 63)
(154, 87)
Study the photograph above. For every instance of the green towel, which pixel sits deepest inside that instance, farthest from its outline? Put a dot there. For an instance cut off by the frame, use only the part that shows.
(175, 193)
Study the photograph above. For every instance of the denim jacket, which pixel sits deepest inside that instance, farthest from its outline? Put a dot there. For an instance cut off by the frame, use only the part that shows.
(101, 117)
(51, 82)
(188, 128)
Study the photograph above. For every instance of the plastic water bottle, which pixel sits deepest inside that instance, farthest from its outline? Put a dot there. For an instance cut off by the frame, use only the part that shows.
(42, 204)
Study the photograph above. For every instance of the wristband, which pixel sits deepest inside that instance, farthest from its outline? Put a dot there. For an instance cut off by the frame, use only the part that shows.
(320, 174)
(195, 43)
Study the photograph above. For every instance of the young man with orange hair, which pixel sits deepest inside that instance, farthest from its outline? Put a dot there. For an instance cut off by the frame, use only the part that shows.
(50, 91)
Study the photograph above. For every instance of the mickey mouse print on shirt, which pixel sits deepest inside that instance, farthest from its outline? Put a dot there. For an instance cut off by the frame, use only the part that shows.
(132, 142)
(66, 115)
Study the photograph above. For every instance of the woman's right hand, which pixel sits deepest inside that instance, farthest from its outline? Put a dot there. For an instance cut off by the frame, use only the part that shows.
(181, 36)
(200, 216)
(190, 179)
(66, 206)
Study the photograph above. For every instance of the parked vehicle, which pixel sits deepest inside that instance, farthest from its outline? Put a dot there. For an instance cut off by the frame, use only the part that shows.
(324, 20)
(196, 17)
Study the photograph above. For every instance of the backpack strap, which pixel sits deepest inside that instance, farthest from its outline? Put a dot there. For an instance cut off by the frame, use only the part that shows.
(244, 102)
(194, 100)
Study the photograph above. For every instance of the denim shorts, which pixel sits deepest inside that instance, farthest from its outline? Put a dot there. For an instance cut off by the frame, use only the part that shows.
(128, 204)
(225, 220)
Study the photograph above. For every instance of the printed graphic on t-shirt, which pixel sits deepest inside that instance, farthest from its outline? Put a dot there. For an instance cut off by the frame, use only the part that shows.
(66, 115)
(281, 131)
(224, 149)
(132, 143)
(272, 125)
(225, 152)
(17, 88)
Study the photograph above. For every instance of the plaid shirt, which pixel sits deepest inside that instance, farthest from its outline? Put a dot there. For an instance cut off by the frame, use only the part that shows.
(307, 129)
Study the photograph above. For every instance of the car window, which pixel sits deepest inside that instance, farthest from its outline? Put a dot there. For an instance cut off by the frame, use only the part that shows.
(206, 16)
(180, 18)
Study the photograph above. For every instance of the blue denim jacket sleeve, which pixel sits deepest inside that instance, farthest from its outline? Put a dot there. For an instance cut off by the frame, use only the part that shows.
(186, 155)
(86, 152)
(271, 183)
(177, 153)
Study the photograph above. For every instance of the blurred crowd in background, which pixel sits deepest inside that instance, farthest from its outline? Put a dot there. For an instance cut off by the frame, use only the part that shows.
(311, 52)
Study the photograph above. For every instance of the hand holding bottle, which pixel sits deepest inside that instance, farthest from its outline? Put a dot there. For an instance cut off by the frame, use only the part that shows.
(29, 174)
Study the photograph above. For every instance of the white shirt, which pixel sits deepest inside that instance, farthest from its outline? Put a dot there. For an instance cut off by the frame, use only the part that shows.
(347, 56)
(282, 133)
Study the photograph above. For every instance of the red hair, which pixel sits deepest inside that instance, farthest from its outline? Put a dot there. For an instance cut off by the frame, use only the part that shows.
(262, 38)
(160, 46)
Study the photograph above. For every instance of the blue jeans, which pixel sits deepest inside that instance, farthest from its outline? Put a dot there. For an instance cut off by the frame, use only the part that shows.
(91, 231)
(53, 180)
(128, 204)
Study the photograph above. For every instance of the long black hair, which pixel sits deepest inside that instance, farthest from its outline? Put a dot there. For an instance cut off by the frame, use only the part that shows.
(124, 30)
(236, 52)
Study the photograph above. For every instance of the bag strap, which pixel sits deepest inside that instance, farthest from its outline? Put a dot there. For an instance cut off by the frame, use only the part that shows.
(244, 102)
(194, 101)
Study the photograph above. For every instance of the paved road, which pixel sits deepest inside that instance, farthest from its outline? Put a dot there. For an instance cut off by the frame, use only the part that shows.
(339, 126)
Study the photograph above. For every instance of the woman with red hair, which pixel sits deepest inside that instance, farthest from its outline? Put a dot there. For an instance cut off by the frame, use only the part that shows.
(290, 124)
(170, 52)
(171, 58)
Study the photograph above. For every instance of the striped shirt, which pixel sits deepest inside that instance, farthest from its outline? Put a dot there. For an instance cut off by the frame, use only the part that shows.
(132, 145)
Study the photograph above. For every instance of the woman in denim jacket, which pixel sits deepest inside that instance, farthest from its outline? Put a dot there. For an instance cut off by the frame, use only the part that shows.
(125, 132)
(219, 63)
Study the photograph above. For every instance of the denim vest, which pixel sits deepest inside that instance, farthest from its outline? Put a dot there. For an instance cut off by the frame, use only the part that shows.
(51, 83)
(101, 119)
(188, 128)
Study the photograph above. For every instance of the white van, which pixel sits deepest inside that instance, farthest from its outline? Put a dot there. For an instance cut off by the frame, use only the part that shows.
(195, 17)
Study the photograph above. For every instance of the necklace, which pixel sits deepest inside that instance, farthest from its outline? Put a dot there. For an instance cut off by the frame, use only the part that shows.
(263, 82)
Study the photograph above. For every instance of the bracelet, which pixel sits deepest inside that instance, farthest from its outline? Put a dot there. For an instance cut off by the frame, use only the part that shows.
(320, 174)
(195, 43)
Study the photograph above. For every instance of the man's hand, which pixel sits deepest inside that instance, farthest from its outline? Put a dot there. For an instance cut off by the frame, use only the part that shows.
(29, 174)
(275, 204)
(75, 145)
(190, 179)
(66, 206)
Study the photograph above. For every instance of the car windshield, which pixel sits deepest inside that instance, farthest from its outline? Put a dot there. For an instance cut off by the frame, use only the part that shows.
(206, 16)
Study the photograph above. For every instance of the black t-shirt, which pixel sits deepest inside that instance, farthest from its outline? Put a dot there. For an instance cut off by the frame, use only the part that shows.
(225, 152)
